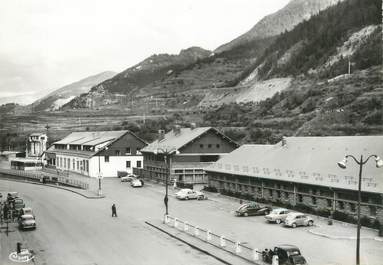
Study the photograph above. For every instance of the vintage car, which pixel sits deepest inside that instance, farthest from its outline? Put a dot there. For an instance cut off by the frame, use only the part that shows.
(186, 194)
(277, 215)
(298, 219)
(27, 221)
(248, 209)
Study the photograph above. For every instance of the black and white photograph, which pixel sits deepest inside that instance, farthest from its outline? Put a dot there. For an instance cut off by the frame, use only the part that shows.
(190, 132)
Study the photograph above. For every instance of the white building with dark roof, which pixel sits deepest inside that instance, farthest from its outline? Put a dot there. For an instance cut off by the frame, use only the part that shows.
(304, 170)
(95, 153)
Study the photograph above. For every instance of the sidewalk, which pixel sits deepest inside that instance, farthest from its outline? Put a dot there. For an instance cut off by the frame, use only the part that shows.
(340, 231)
(220, 254)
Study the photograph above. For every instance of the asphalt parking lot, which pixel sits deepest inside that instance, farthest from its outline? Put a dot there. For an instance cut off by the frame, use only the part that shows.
(75, 230)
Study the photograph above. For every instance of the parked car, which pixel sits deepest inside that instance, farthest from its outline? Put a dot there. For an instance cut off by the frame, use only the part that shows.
(27, 221)
(289, 255)
(277, 215)
(252, 209)
(128, 178)
(136, 183)
(186, 194)
(298, 219)
(26, 210)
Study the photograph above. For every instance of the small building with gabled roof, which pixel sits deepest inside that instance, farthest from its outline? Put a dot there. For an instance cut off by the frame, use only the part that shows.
(97, 153)
(189, 150)
(304, 171)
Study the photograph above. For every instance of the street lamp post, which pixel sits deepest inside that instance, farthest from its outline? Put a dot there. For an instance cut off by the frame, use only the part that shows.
(361, 162)
(99, 177)
(167, 154)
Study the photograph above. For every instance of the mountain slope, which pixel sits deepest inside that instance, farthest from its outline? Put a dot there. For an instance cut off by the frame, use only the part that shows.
(285, 19)
(61, 96)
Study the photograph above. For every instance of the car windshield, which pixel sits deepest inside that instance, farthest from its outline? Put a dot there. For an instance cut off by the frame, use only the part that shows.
(243, 207)
(28, 218)
(293, 252)
(276, 211)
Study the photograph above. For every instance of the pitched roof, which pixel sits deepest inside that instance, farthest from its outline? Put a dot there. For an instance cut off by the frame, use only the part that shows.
(310, 160)
(175, 141)
(91, 138)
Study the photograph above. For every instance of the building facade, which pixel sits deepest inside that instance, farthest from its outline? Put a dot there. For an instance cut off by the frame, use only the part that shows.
(304, 171)
(191, 151)
(37, 145)
(97, 153)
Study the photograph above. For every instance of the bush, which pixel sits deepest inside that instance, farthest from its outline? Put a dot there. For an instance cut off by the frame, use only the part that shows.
(210, 189)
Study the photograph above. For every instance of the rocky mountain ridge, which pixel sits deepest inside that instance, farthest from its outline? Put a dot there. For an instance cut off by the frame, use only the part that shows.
(284, 19)
(59, 97)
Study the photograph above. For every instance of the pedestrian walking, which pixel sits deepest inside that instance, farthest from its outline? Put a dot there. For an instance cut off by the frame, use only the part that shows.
(114, 210)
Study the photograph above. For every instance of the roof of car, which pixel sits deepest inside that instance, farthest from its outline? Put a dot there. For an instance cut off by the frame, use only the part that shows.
(27, 216)
(280, 209)
(296, 213)
(287, 246)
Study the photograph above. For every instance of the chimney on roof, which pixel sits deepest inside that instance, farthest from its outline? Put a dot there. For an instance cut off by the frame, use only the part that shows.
(177, 129)
(193, 125)
(284, 141)
(161, 135)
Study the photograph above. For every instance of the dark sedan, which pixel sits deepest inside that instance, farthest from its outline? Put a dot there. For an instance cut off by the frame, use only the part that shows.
(252, 209)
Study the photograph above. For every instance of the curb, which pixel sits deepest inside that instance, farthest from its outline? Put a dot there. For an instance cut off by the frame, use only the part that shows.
(342, 237)
(57, 187)
(189, 244)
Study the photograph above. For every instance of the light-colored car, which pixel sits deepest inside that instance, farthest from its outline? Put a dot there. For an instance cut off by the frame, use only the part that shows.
(136, 183)
(298, 219)
(26, 210)
(27, 221)
(186, 194)
(277, 215)
(128, 178)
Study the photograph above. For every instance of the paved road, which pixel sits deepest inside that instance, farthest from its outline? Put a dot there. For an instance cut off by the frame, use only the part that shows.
(74, 230)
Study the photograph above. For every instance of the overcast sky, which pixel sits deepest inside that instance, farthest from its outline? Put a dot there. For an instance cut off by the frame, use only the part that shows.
(46, 44)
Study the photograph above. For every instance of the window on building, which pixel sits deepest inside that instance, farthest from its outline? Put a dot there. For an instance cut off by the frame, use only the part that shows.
(138, 163)
(314, 200)
(138, 150)
(341, 205)
(128, 164)
(201, 145)
(64, 162)
(68, 165)
(74, 165)
(106, 158)
(117, 152)
(300, 198)
(128, 151)
(271, 193)
(329, 203)
(286, 195)
(372, 210)
(352, 207)
(218, 145)
(209, 145)
(278, 194)
(78, 165)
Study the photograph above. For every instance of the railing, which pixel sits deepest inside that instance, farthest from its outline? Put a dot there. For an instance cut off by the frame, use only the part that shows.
(41, 177)
(233, 246)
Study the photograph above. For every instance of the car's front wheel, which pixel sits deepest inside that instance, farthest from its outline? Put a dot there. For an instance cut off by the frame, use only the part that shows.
(267, 213)
(186, 198)
(310, 223)
(246, 214)
(294, 225)
(278, 221)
